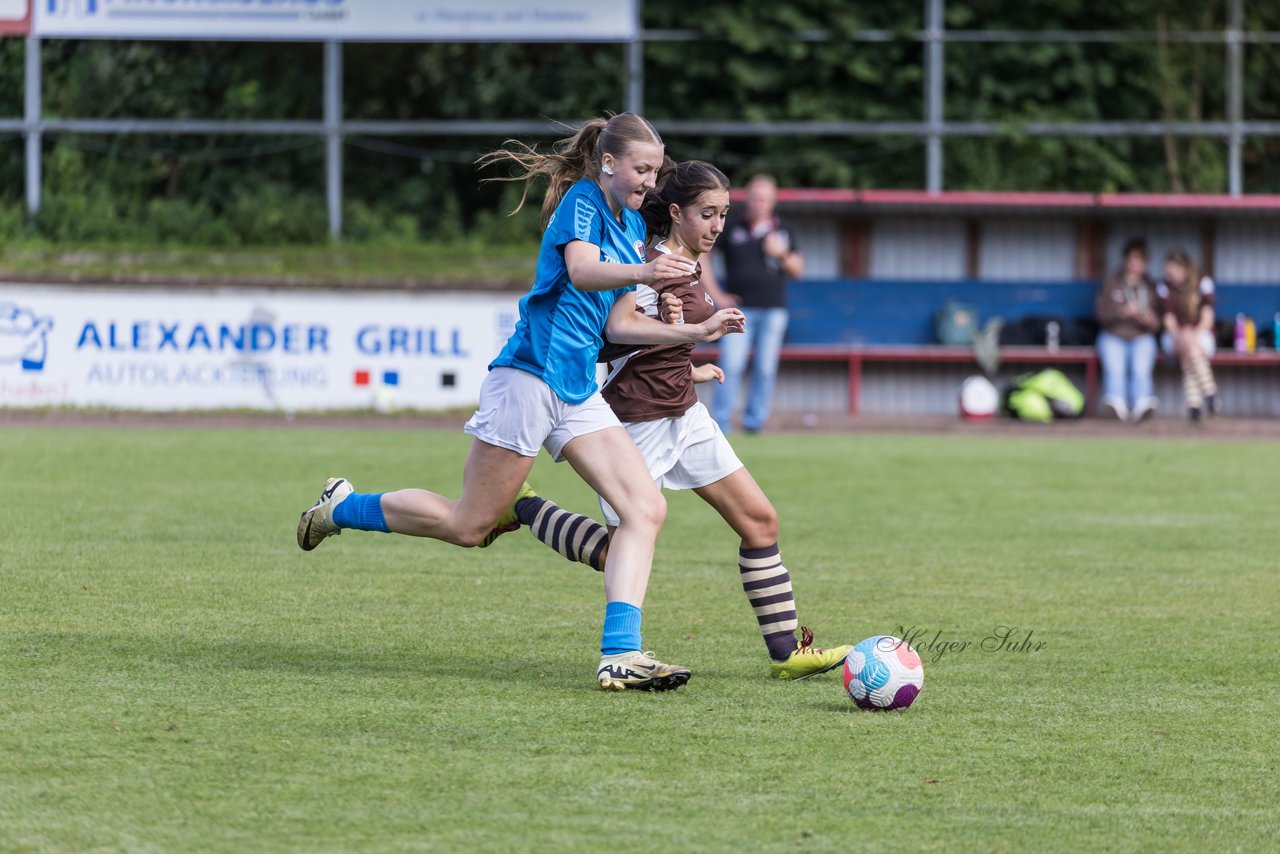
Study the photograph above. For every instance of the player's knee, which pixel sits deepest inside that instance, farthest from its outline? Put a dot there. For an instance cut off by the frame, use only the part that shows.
(760, 528)
(767, 523)
(470, 533)
(649, 511)
(655, 511)
(470, 537)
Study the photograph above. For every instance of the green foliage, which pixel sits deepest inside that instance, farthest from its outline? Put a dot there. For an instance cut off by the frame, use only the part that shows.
(179, 676)
(379, 258)
(748, 63)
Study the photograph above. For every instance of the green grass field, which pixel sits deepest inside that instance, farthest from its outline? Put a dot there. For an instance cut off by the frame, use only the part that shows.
(176, 675)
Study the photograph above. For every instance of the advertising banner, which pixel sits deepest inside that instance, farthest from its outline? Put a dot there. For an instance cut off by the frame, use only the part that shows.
(15, 17)
(346, 20)
(274, 350)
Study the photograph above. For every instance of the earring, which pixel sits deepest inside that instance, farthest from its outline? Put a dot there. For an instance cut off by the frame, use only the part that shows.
(606, 170)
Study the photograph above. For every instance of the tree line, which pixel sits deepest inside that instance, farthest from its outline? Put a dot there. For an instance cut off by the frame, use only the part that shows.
(747, 64)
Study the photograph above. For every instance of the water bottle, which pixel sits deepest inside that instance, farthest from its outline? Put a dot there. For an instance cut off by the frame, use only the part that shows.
(1250, 336)
(1051, 336)
(1276, 341)
(1240, 332)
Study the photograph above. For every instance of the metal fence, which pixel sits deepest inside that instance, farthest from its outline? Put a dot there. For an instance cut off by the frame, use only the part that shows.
(933, 127)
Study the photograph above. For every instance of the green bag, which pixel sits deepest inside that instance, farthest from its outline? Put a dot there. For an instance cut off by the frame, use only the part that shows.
(956, 324)
(1028, 405)
(1043, 396)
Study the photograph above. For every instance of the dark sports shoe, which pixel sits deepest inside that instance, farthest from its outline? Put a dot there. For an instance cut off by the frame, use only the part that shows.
(639, 671)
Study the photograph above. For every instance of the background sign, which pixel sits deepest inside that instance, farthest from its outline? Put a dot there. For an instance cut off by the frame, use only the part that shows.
(15, 17)
(159, 350)
(348, 20)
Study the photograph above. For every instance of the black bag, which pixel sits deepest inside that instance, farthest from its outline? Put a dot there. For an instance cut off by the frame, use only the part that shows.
(1080, 332)
(1027, 332)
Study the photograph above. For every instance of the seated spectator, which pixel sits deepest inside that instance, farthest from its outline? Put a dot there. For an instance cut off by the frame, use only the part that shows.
(1126, 310)
(1186, 301)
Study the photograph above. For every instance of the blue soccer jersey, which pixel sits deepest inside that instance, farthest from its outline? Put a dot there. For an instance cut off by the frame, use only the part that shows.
(561, 328)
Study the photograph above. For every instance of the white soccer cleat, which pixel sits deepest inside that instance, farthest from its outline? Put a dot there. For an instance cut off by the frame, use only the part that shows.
(317, 523)
(639, 671)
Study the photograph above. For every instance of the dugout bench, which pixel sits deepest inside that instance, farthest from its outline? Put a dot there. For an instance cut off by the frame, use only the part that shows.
(1087, 357)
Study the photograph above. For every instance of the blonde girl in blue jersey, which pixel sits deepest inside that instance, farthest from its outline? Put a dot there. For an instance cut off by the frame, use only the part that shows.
(541, 390)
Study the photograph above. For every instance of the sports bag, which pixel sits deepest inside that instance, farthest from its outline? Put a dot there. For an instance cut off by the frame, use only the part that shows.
(1043, 396)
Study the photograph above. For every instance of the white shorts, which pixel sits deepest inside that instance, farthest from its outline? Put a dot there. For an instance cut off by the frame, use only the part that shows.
(520, 412)
(688, 452)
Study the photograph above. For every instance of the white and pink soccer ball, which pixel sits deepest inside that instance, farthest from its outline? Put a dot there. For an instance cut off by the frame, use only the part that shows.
(883, 672)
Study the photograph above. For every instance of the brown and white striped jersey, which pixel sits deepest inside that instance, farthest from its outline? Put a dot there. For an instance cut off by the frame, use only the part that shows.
(657, 382)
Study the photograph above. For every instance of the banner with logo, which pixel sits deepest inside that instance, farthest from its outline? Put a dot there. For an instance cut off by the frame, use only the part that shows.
(15, 17)
(274, 350)
(348, 20)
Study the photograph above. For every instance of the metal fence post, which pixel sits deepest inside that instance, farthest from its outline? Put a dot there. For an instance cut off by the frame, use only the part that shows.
(31, 129)
(1235, 95)
(333, 135)
(933, 94)
(635, 64)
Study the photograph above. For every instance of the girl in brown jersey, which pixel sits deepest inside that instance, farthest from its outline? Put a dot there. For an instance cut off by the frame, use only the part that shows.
(652, 392)
(1185, 299)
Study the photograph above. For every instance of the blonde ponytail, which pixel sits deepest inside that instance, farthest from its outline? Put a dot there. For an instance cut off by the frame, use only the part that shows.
(571, 159)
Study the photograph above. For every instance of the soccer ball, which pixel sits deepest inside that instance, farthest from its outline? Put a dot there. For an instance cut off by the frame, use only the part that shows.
(883, 672)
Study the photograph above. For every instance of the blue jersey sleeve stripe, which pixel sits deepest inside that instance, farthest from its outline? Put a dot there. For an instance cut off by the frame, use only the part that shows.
(584, 220)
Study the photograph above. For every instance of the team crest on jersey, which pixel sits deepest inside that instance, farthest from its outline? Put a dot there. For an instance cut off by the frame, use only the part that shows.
(639, 244)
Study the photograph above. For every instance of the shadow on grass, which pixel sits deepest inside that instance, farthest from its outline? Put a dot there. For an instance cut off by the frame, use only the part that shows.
(850, 708)
(116, 651)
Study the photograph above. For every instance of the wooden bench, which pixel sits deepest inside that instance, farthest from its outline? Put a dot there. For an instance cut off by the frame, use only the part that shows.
(855, 357)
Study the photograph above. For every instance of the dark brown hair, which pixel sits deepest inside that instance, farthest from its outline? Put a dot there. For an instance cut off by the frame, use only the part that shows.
(1135, 244)
(572, 158)
(682, 186)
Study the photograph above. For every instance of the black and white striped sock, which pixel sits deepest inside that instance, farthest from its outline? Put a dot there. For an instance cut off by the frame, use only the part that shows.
(577, 537)
(768, 587)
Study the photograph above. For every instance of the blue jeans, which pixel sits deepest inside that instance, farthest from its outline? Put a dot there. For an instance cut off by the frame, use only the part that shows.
(766, 327)
(1126, 367)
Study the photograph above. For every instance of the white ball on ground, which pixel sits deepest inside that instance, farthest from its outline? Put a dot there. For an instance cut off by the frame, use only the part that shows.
(883, 673)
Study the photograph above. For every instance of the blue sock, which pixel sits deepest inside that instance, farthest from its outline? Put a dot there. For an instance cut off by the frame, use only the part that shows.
(362, 511)
(621, 629)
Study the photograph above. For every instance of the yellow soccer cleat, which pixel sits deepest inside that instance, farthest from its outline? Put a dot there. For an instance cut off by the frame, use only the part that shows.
(509, 522)
(809, 660)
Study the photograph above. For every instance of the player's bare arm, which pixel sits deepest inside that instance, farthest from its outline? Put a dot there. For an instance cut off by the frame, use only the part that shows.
(628, 326)
(589, 273)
